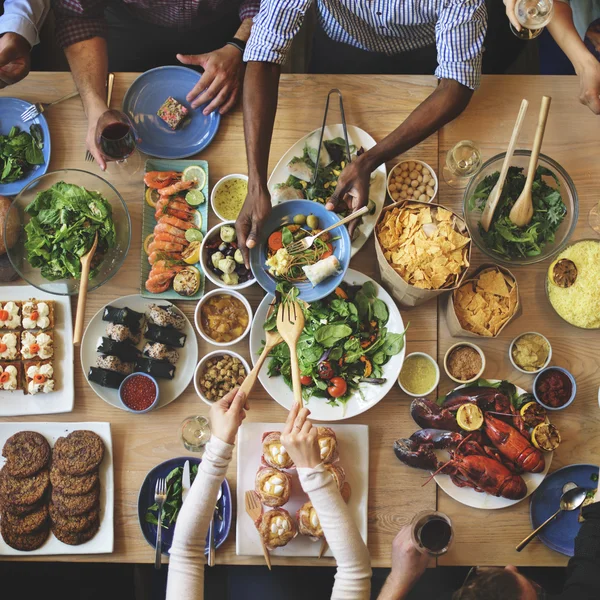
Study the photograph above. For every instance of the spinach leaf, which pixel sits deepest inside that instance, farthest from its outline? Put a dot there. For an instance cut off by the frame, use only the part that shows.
(328, 335)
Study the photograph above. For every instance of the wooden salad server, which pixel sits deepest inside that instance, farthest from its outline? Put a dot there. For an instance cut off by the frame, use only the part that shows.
(86, 263)
(290, 323)
(254, 510)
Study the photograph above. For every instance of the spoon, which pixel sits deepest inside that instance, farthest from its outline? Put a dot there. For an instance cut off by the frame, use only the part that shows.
(86, 263)
(211, 533)
(570, 500)
(492, 201)
(522, 210)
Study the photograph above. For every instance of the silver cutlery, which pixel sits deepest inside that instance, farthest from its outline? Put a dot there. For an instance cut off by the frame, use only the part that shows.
(160, 496)
(185, 481)
(211, 533)
(109, 89)
(39, 107)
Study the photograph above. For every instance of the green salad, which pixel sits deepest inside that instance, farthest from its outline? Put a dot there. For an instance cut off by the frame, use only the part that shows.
(504, 237)
(64, 221)
(344, 344)
(19, 152)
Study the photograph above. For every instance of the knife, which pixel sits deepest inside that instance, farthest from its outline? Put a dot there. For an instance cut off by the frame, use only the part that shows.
(185, 481)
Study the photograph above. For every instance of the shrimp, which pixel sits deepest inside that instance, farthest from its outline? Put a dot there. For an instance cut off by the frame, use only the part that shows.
(163, 270)
(179, 214)
(157, 256)
(167, 237)
(165, 247)
(166, 228)
(159, 283)
(175, 222)
(165, 204)
(177, 187)
(160, 179)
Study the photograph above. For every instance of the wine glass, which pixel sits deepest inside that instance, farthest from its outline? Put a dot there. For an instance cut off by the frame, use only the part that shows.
(431, 532)
(195, 433)
(463, 161)
(594, 221)
(533, 15)
(116, 139)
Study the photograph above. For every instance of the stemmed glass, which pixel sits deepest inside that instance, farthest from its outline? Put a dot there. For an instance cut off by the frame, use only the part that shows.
(195, 433)
(116, 139)
(533, 15)
(463, 161)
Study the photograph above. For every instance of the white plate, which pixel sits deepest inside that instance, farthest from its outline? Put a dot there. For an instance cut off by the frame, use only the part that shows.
(13, 404)
(353, 443)
(103, 541)
(358, 137)
(169, 389)
(469, 497)
(320, 410)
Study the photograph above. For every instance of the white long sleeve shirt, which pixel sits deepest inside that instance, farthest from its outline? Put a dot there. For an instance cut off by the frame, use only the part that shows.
(24, 17)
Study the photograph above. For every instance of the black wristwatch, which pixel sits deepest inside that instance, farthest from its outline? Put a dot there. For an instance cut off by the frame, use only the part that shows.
(239, 44)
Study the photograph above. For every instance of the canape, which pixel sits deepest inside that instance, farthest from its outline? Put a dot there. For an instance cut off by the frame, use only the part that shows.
(37, 345)
(9, 346)
(277, 528)
(273, 486)
(10, 377)
(39, 377)
(274, 452)
(38, 314)
(10, 315)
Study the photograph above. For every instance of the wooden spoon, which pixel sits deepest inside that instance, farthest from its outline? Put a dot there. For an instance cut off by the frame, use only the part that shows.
(492, 201)
(522, 211)
(290, 322)
(86, 263)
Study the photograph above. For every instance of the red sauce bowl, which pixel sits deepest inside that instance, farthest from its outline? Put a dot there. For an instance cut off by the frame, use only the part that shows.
(554, 388)
(138, 393)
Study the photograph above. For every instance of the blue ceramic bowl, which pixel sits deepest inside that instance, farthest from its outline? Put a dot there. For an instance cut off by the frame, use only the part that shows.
(573, 386)
(223, 514)
(152, 406)
(283, 214)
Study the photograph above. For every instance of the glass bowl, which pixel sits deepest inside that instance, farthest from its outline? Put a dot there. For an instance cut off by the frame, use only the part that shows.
(17, 218)
(569, 197)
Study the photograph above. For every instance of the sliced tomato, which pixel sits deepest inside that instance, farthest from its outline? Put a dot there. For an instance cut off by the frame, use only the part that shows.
(305, 379)
(337, 387)
(275, 242)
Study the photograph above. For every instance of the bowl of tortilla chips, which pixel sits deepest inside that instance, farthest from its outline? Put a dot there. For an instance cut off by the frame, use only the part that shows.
(423, 250)
(483, 304)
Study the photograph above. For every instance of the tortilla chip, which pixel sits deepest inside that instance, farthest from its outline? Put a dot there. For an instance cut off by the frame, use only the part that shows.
(492, 281)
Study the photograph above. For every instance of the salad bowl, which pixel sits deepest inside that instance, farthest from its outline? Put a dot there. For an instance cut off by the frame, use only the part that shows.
(99, 202)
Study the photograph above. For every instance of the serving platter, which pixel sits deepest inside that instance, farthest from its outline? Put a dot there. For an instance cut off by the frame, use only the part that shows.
(320, 410)
(169, 390)
(103, 541)
(357, 137)
(353, 444)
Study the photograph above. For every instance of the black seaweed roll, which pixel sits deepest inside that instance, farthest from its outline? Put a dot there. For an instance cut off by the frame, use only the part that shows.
(124, 350)
(162, 369)
(123, 316)
(105, 378)
(165, 335)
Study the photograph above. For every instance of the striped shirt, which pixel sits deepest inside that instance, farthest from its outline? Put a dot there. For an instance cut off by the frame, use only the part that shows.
(391, 27)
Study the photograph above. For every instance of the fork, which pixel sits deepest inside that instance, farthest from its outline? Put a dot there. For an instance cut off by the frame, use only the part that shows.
(160, 496)
(39, 107)
(306, 242)
(254, 510)
(290, 323)
(109, 89)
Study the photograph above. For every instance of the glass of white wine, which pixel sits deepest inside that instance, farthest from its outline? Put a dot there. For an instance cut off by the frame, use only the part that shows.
(463, 161)
(594, 218)
(533, 15)
(195, 433)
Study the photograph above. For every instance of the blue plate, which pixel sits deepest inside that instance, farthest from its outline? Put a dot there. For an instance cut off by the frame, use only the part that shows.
(283, 214)
(10, 116)
(146, 499)
(146, 95)
(560, 534)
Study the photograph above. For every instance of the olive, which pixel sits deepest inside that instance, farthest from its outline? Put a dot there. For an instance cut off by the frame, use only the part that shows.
(300, 219)
(312, 221)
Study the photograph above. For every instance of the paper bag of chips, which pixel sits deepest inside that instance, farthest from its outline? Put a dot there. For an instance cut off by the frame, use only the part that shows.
(484, 303)
(422, 249)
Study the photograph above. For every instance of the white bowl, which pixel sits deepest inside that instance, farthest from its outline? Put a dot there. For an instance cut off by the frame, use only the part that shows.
(514, 364)
(208, 271)
(226, 293)
(216, 187)
(437, 375)
(429, 167)
(480, 352)
(202, 365)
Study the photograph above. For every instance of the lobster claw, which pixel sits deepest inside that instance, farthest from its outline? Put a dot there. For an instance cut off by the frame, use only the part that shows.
(428, 414)
(413, 454)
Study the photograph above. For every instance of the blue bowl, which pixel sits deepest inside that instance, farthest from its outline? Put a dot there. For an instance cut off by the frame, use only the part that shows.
(283, 214)
(152, 406)
(223, 514)
(573, 386)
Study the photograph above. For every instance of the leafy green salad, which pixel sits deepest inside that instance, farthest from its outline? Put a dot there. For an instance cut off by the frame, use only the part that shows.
(64, 221)
(19, 152)
(504, 237)
(344, 344)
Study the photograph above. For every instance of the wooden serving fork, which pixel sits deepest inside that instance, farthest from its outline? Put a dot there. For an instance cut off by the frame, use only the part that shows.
(254, 510)
(290, 323)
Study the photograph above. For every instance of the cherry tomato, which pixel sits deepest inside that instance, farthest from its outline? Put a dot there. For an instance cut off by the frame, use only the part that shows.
(337, 387)
(325, 370)
(305, 380)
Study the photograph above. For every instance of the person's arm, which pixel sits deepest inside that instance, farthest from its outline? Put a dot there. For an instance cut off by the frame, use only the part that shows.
(186, 564)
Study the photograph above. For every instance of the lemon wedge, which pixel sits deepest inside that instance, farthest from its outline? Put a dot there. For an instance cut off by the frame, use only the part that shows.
(195, 173)
(149, 239)
(469, 417)
(533, 414)
(191, 255)
(152, 197)
(546, 437)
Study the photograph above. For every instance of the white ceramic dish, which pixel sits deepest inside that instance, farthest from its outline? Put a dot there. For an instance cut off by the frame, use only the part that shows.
(216, 187)
(358, 137)
(320, 410)
(437, 375)
(226, 292)
(169, 389)
(512, 360)
(103, 541)
(353, 443)
(431, 172)
(470, 345)
(13, 404)
(201, 366)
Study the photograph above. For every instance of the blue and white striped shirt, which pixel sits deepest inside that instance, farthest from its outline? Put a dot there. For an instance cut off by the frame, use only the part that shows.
(457, 27)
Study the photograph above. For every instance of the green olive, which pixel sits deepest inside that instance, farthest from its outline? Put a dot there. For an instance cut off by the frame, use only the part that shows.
(312, 221)
(300, 219)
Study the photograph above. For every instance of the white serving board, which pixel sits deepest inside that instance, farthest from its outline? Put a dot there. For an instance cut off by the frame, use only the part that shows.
(13, 404)
(103, 541)
(353, 445)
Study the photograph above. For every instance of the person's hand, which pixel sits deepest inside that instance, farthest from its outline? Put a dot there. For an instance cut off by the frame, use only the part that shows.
(95, 109)
(256, 208)
(221, 80)
(510, 13)
(589, 85)
(300, 438)
(14, 58)
(227, 415)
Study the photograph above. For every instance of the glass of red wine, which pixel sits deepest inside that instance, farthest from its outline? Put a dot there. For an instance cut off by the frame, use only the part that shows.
(431, 532)
(116, 139)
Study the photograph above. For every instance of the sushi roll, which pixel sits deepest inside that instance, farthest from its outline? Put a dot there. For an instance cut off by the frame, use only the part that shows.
(122, 333)
(37, 345)
(38, 314)
(124, 350)
(322, 269)
(160, 351)
(165, 335)
(123, 316)
(114, 363)
(39, 377)
(9, 346)
(110, 379)
(162, 369)
(165, 316)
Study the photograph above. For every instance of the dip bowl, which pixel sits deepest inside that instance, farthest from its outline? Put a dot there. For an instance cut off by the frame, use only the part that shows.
(569, 377)
(133, 410)
(437, 375)
(459, 345)
(201, 368)
(513, 362)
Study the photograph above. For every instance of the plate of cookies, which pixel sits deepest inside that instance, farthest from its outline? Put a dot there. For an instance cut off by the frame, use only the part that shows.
(56, 489)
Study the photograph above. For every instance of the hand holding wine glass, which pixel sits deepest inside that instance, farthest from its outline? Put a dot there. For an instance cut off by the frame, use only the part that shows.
(116, 141)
